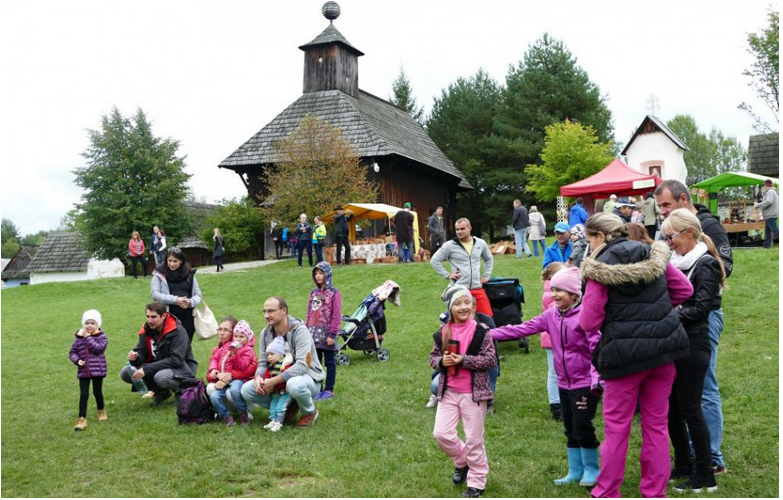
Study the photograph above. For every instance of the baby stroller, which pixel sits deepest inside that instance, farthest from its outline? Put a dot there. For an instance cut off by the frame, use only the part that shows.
(506, 297)
(364, 329)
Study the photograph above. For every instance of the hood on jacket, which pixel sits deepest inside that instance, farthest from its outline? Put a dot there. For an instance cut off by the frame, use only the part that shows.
(327, 270)
(642, 272)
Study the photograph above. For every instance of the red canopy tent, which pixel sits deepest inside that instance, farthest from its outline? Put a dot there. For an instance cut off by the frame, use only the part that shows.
(616, 178)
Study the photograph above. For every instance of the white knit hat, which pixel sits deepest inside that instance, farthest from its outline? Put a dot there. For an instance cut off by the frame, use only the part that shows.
(93, 315)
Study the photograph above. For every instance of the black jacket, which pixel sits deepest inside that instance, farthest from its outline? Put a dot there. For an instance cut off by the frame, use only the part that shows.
(167, 350)
(704, 275)
(714, 229)
(641, 329)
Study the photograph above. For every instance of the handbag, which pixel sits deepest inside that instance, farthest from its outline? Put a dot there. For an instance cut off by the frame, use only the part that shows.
(205, 322)
(542, 226)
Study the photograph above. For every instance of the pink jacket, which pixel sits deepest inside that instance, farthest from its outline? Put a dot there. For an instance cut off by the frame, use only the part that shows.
(242, 365)
(547, 302)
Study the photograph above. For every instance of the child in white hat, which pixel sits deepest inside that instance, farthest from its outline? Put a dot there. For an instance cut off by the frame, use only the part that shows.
(87, 353)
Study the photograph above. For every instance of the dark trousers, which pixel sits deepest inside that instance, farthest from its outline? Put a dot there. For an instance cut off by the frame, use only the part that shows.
(340, 241)
(770, 228)
(319, 252)
(279, 248)
(302, 245)
(84, 393)
(436, 240)
(578, 408)
(185, 316)
(218, 262)
(326, 357)
(139, 259)
(685, 408)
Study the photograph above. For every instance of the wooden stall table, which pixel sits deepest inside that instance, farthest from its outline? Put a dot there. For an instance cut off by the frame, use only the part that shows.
(742, 227)
(369, 253)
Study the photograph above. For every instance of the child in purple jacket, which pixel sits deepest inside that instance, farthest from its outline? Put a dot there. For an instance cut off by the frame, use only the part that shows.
(87, 354)
(323, 320)
(577, 380)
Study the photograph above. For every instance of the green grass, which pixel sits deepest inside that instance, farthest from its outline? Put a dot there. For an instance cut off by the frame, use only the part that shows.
(375, 438)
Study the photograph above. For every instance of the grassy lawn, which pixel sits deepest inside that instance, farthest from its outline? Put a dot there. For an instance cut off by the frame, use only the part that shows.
(374, 439)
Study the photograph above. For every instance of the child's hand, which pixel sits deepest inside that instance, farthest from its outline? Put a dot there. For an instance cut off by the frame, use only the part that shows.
(329, 341)
(81, 362)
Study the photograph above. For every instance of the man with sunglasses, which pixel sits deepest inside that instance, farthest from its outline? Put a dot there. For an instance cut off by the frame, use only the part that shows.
(302, 380)
(669, 196)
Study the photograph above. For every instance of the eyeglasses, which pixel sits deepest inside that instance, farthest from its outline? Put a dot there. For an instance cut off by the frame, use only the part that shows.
(175, 250)
(224, 329)
(670, 237)
(270, 311)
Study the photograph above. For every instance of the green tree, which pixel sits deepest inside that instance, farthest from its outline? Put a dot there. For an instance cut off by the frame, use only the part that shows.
(320, 169)
(9, 249)
(35, 239)
(765, 72)
(132, 181)
(241, 223)
(8, 231)
(571, 153)
(461, 124)
(730, 154)
(710, 155)
(403, 96)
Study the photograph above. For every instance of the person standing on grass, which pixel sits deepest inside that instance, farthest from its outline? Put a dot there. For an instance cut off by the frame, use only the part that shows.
(537, 230)
(695, 255)
(304, 237)
(436, 230)
(162, 357)
(547, 302)
(561, 249)
(521, 222)
(174, 284)
(669, 196)
(580, 388)
(630, 296)
(302, 379)
(403, 225)
(136, 253)
(218, 250)
(465, 254)
(319, 235)
(342, 235)
(463, 352)
(87, 353)
(323, 321)
(769, 210)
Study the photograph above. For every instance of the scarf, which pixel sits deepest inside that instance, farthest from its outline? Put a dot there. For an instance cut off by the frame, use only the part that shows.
(687, 261)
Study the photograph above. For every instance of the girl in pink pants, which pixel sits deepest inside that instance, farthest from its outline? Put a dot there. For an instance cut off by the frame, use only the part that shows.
(463, 351)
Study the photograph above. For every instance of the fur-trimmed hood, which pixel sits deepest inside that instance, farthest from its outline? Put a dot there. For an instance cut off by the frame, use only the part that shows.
(643, 272)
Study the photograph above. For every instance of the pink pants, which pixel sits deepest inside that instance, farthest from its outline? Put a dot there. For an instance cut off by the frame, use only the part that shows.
(651, 388)
(451, 408)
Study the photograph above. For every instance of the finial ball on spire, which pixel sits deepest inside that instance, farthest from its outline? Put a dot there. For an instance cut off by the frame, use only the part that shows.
(331, 11)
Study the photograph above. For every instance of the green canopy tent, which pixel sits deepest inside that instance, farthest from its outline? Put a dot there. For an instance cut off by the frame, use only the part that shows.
(711, 186)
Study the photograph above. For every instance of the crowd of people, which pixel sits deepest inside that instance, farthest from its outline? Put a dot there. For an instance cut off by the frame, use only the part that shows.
(627, 319)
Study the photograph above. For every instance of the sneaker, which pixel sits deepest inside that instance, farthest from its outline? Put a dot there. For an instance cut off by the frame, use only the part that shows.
(244, 419)
(460, 474)
(326, 395)
(472, 492)
(719, 469)
(270, 424)
(697, 484)
(318, 396)
(81, 424)
(148, 395)
(307, 420)
(229, 421)
(276, 426)
(102, 415)
(290, 413)
(432, 402)
(681, 473)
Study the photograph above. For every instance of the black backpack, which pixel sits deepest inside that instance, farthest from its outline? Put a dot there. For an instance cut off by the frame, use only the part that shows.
(193, 405)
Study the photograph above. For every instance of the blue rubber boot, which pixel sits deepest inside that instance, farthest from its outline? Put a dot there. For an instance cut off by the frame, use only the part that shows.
(590, 462)
(575, 467)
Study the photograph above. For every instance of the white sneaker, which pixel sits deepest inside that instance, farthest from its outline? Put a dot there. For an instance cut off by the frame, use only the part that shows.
(433, 401)
(148, 395)
(276, 426)
(270, 424)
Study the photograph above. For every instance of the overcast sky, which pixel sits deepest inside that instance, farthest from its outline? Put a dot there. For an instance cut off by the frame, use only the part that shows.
(211, 74)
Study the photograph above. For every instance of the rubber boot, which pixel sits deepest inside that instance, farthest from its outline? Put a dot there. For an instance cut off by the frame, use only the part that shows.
(575, 467)
(590, 462)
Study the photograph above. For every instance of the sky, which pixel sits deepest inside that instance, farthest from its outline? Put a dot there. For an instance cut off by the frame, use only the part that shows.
(211, 74)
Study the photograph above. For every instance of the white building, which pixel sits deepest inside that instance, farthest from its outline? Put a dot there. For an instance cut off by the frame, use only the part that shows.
(655, 150)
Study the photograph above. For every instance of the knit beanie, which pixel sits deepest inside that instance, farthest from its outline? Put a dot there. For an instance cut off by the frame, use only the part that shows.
(277, 346)
(93, 315)
(244, 328)
(578, 230)
(567, 280)
(452, 293)
(561, 227)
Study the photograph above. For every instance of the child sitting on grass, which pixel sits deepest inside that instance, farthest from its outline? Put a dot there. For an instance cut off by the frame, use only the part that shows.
(279, 361)
(234, 356)
(87, 353)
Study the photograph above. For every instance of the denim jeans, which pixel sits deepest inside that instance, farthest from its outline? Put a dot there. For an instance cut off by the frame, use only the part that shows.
(520, 240)
(302, 389)
(770, 228)
(326, 357)
(552, 390)
(710, 399)
(219, 398)
(535, 246)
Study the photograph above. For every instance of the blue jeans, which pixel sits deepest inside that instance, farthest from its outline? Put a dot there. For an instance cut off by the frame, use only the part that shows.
(520, 239)
(710, 399)
(219, 396)
(770, 228)
(302, 246)
(302, 389)
(326, 357)
(277, 406)
(552, 390)
(535, 248)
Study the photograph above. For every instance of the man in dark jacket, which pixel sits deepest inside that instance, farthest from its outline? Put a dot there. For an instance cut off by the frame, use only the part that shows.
(521, 221)
(403, 225)
(163, 356)
(669, 196)
(623, 209)
(436, 230)
(341, 234)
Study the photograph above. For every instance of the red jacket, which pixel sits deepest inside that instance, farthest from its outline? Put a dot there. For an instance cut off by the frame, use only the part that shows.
(241, 366)
(132, 248)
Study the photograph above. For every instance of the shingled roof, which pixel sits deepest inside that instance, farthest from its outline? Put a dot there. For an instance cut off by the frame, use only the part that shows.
(375, 127)
(764, 154)
(329, 36)
(18, 266)
(60, 252)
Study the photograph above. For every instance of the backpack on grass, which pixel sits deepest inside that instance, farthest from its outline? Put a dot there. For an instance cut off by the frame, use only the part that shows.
(193, 405)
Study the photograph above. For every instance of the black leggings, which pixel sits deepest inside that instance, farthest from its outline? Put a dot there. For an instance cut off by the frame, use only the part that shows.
(84, 393)
(578, 408)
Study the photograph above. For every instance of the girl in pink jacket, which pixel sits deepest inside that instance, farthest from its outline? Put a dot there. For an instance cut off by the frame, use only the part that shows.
(236, 356)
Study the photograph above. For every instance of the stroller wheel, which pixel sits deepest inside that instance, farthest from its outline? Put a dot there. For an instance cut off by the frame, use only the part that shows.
(383, 354)
(523, 344)
(342, 359)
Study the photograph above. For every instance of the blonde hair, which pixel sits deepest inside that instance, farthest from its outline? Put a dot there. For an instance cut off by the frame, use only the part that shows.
(611, 225)
(551, 269)
(683, 219)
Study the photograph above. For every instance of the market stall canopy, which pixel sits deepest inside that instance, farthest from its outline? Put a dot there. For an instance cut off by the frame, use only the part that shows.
(732, 179)
(372, 211)
(616, 178)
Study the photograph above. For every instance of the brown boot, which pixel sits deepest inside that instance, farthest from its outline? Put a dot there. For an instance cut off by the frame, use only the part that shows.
(81, 424)
(102, 415)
